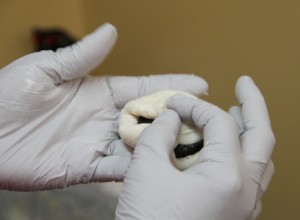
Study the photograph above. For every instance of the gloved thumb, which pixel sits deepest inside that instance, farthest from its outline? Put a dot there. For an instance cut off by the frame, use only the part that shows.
(159, 139)
(79, 59)
(217, 125)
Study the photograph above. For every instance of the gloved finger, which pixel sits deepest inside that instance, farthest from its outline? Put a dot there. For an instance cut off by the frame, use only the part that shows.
(77, 60)
(265, 179)
(236, 113)
(118, 147)
(267, 176)
(160, 138)
(220, 132)
(257, 210)
(111, 168)
(258, 139)
(125, 89)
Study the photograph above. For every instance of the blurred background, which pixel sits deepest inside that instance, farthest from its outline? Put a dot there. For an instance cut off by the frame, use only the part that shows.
(218, 40)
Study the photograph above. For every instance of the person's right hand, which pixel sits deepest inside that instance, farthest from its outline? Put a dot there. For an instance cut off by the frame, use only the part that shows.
(224, 184)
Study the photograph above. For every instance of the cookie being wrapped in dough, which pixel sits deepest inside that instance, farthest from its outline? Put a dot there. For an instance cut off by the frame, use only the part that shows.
(139, 113)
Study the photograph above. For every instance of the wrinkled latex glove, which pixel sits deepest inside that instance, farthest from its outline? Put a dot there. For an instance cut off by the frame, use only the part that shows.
(223, 185)
(58, 126)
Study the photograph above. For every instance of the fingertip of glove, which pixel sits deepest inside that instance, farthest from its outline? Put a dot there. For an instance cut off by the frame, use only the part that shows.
(106, 33)
(200, 85)
(109, 28)
(246, 88)
(190, 83)
(242, 80)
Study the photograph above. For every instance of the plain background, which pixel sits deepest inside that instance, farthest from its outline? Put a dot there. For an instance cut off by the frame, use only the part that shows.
(218, 40)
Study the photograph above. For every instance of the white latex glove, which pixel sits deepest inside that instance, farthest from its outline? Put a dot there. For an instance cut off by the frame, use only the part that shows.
(244, 127)
(223, 185)
(58, 126)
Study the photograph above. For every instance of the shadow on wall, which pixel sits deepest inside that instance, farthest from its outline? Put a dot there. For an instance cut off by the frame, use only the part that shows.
(51, 39)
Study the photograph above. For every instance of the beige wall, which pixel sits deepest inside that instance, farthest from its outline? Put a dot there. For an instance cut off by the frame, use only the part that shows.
(18, 18)
(219, 40)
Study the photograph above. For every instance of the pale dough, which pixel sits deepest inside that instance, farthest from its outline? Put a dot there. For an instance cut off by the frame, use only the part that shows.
(151, 106)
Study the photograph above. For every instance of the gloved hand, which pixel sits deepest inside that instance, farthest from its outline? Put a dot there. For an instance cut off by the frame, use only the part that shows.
(237, 113)
(224, 184)
(58, 126)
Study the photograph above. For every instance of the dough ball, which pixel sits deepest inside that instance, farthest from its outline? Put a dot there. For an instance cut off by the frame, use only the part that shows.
(148, 108)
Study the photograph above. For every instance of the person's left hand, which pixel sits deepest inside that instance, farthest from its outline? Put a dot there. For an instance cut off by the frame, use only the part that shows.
(58, 126)
(243, 119)
(228, 179)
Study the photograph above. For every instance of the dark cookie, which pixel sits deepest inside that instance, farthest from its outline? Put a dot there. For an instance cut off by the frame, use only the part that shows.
(142, 120)
(183, 150)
